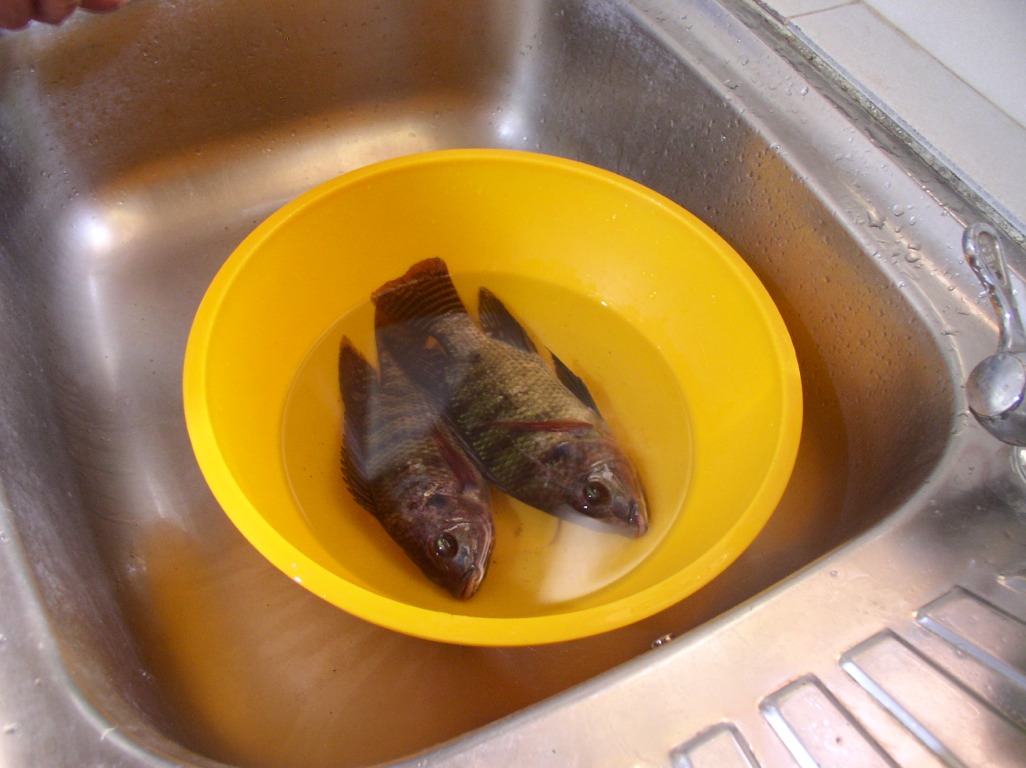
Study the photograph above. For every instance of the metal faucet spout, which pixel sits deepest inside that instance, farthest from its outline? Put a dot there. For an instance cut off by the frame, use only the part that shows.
(996, 387)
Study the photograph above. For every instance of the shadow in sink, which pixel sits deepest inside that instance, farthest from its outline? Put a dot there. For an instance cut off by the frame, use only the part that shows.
(138, 149)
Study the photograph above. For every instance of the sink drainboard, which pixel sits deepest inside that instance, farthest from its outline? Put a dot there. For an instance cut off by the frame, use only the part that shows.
(954, 669)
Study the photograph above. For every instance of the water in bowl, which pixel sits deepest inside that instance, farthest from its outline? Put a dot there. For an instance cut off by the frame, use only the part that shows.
(539, 561)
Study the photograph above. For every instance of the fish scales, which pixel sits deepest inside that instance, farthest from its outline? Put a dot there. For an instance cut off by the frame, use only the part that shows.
(527, 393)
(528, 431)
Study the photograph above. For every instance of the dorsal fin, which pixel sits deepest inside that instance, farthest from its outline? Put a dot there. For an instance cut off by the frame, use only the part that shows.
(574, 383)
(423, 293)
(357, 380)
(498, 323)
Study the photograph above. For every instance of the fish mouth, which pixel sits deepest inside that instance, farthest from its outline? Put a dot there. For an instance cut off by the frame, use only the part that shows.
(636, 520)
(639, 528)
(632, 524)
(470, 583)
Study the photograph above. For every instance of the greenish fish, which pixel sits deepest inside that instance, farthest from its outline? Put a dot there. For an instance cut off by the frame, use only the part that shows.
(533, 428)
(403, 465)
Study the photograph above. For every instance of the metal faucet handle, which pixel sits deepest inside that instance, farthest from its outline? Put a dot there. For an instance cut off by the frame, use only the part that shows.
(997, 385)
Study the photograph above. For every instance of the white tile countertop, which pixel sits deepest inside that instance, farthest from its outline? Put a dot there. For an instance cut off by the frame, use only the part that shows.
(951, 73)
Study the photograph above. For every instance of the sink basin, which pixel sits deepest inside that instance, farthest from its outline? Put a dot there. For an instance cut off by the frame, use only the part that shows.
(138, 149)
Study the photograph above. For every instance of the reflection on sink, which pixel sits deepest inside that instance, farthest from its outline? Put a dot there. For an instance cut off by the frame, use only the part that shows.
(137, 149)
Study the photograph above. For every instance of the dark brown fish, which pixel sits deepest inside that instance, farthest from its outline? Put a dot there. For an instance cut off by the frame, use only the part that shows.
(533, 428)
(403, 465)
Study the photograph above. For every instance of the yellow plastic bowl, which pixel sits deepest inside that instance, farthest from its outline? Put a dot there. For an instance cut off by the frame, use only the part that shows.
(682, 347)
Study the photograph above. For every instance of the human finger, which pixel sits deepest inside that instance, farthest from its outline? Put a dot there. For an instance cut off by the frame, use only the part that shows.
(54, 11)
(15, 14)
(102, 6)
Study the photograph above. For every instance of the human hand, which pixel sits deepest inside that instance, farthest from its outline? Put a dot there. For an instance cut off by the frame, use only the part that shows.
(15, 14)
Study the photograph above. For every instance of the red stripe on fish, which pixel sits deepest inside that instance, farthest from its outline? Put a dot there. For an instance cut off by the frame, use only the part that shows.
(553, 425)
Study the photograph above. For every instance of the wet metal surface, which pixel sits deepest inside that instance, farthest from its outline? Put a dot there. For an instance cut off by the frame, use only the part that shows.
(139, 628)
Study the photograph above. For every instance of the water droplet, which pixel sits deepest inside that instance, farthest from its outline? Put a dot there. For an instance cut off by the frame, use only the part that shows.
(1014, 580)
(912, 257)
(663, 640)
(9, 729)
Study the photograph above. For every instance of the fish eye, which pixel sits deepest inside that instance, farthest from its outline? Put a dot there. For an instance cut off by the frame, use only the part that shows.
(595, 492)
(437, 500)
(446, 546)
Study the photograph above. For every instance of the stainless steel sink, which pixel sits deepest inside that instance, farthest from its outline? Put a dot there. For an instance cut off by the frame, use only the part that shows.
(885, 601)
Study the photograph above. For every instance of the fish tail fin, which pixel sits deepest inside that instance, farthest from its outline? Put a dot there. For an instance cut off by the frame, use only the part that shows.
(357, 380)
(425, 292)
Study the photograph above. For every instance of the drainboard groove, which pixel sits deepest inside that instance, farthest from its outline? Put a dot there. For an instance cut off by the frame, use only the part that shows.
(993, 638)
(819, 730)
(719, 746)
(959, 726)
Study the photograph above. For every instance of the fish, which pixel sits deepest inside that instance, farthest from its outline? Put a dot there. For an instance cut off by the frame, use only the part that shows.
(532, 427)
(402, 464)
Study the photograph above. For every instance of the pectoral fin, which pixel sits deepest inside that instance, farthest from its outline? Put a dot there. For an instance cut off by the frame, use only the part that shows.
(462, 467)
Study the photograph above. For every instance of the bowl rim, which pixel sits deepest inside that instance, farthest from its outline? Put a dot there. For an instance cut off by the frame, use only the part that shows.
(454, 627)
